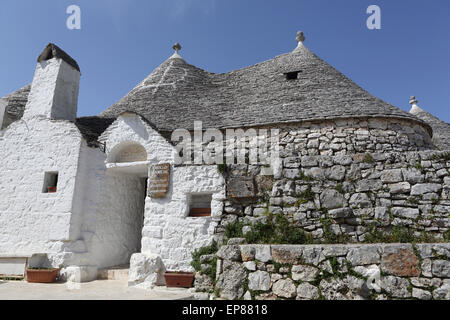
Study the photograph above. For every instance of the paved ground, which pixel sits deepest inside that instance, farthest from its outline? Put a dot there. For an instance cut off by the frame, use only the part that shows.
(96, 290)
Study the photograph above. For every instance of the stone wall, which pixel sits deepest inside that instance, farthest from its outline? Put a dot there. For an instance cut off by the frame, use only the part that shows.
(350, 136)
(331, 272)
(353, 195)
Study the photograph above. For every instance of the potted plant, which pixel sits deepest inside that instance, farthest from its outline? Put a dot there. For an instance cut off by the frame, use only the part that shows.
(42, 275)
(178, 279)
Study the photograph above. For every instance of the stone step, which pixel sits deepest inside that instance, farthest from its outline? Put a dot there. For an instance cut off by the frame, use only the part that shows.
(114, 273)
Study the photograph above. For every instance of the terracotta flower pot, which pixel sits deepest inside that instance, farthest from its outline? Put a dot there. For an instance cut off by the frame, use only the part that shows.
(42, 276)
(179, 279)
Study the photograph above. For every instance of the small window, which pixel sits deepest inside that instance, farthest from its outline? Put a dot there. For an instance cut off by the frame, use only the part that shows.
(200, 205)
(292, 75)
(50, 182)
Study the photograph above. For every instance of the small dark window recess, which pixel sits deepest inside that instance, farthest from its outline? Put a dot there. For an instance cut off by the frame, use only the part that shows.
(200, 205)
(292, 75)
(50, 182)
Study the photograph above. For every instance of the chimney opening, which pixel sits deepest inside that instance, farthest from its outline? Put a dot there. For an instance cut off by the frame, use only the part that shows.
(292, 75)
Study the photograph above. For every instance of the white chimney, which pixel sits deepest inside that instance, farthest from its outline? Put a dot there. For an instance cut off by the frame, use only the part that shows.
(54, 91)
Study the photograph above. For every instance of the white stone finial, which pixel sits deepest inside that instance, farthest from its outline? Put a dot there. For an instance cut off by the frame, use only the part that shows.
(177, 47)
(413, 100)
(300, 37)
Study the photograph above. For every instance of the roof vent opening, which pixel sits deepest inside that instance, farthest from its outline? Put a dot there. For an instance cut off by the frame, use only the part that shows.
(292, 75)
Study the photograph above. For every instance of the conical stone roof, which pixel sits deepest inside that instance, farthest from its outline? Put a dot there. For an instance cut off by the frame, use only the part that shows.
(176, 94)
(441, 129)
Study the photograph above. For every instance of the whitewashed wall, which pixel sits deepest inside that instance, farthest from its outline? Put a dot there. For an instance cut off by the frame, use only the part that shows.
(168, 231)
(32, 221)
(112, 208)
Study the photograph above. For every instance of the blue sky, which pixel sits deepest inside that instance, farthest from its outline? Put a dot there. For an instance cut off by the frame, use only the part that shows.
(122, 41)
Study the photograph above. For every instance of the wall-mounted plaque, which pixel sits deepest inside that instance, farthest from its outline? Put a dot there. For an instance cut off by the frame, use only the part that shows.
(158, 180)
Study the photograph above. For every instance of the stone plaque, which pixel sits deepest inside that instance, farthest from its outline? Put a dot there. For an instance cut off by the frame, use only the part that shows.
(158, 180)
(241, 187)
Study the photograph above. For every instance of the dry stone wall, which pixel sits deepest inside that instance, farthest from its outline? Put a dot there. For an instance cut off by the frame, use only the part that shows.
(353, 195)
(350, 136)
(331, 272)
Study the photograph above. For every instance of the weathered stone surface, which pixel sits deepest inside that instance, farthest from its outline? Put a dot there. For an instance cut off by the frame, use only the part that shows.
(402, 187)
(336, 173)
(241, 187)
(400, 261)
(248, 253)
(259, 281)
(309, 161)
(263, 253)
(232, 253)
(368, 185)
(359, 200)
(421, 294)
(331, 199)
(313, 255)
(306, 291)
(426, 268)
(231, 280)
(285, 288)
(420, 189)
(340, 213)
(304, 273)
(335, 289)
(397, 287)
(250, 265)
(286, 254)
(266, 296)
(315, 173)
(409, 213)
(335, 250)
(203, 283)
(413, 175)
(441, 268)
(291, 173)
(146, 270)
(442, 293)
(363, 255)
(392, 176)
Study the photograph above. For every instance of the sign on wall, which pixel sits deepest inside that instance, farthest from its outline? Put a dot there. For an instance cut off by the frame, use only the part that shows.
(158, 180)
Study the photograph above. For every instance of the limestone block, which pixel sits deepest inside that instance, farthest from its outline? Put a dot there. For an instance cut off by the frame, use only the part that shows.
(284, 288)
(79, 274)
(304, 273)
(364, 255)
(146, 270)
(397, 287)
(441, 268)
(400, 260)
(306, 291)
(331, 199)
(241, 187)
(286, 254)
(420, 189)
(259, 281)
(392, 176)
